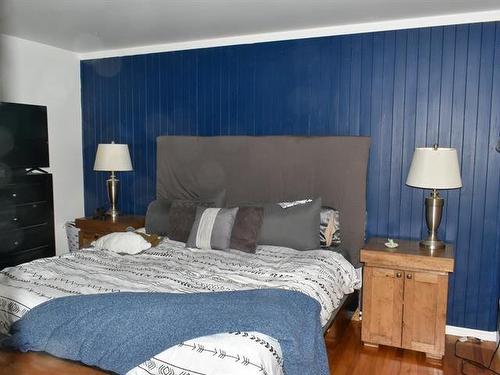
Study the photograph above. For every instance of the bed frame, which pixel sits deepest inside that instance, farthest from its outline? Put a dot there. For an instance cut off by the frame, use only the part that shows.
(273, 169)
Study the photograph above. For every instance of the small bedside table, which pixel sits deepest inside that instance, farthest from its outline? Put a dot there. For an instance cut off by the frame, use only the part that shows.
(91, 229)
(405, 293)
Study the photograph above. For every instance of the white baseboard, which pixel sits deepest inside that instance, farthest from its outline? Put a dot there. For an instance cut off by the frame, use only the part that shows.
(462, 331)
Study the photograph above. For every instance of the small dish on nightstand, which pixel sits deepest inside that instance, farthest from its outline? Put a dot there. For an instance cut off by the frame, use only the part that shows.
(391, 244)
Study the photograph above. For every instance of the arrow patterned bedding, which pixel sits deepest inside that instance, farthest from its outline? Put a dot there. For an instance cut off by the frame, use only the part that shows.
(171, 267)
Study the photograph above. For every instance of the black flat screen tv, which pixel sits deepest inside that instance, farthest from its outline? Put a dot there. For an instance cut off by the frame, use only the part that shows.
(24, 141)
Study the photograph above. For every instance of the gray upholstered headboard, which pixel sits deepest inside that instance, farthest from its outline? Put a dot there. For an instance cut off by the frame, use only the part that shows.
(271, 169)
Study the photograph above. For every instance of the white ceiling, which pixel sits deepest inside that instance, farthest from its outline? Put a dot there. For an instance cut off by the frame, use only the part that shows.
(96, 25)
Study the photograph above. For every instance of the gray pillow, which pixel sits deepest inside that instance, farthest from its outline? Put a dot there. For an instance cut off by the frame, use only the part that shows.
(296, 227)
(246, 229)
(182, 216)
(157, 217)
(212, 228)
(329, 231)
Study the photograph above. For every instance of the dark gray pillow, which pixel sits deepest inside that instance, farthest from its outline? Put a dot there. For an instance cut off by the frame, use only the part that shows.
(296, 227)
(157, 217)
(212, 228)
(176, 224)
(182, 216)
(246, 229)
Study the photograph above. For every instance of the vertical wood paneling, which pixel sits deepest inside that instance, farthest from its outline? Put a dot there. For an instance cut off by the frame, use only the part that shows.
(397, 174)
(344, 90)
(355, 89)
(376, 151)
(405, 89)
(366, 84)
(481, 165)
(422, 101)
(126, 110)
(445, 99)
(468, 164)
(385, 131)
(490, 282)
(408, 124)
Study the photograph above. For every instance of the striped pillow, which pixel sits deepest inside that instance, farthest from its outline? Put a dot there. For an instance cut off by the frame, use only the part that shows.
(212, 228)
(329, 227)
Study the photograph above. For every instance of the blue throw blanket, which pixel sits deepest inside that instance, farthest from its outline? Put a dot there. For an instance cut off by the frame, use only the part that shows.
(119, 331)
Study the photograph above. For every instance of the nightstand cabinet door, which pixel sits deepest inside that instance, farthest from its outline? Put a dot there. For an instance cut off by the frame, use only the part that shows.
(425, 311)
(382, 306)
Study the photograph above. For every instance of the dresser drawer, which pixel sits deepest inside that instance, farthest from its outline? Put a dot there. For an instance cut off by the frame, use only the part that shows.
(25, 215)
(27, 256)
(21, 239)
(23, 193)
(26, 218)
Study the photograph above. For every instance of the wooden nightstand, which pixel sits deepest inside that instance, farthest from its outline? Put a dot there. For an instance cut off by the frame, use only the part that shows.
(91, 229)
(405, 294)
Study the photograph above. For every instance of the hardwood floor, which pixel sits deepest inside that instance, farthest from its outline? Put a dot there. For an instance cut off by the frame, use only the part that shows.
(346, 354)
(13, 363)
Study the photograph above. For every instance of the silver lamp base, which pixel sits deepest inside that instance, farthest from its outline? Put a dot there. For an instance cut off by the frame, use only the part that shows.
(432, 244)
(113, 183)
(433, 211)
(114, 213)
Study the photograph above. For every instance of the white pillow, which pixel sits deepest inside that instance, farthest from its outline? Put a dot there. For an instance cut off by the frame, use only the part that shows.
(122, 242)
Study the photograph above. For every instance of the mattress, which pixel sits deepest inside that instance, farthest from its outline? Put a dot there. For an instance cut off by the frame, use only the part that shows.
(171, 267)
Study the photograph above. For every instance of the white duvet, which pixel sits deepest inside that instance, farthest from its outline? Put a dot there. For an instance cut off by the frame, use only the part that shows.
(170, 267)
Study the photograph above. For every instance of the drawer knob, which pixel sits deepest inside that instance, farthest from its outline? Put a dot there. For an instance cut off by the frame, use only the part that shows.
(409, 276)
(398, 275)
(14, 195)
(16, 243)
(14, 219)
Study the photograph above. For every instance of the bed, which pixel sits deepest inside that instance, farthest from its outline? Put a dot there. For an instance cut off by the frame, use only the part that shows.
(248, 169)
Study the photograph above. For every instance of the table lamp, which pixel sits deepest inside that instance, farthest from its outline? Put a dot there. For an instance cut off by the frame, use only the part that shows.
(434, 168)
(112, 157)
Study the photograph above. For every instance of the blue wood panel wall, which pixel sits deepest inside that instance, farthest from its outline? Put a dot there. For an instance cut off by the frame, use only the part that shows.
(404, 89)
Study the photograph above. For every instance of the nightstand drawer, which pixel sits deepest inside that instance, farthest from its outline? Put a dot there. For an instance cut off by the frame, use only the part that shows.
(408, 255)
(91, 229)
(416, 262)
(86, 238)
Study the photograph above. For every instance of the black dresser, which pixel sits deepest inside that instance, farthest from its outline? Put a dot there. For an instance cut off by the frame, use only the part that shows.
(26, 219)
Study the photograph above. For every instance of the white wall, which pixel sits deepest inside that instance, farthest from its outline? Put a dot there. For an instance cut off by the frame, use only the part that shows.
(35, 73)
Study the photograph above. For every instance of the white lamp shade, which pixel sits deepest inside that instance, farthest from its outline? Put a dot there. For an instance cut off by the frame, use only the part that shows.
(434, 169)
(112, 157)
